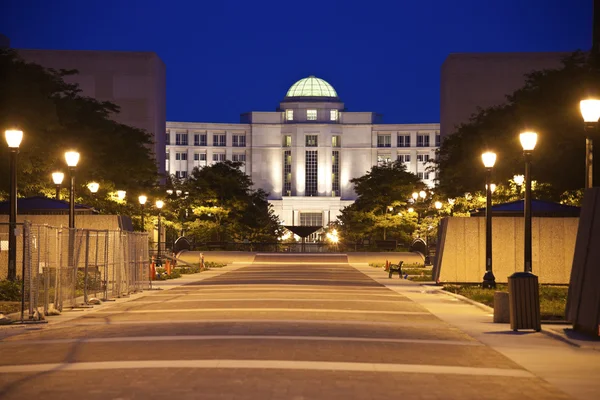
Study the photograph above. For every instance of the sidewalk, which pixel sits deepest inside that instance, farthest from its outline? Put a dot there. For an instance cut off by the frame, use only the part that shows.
(71, 314)
(566, 360)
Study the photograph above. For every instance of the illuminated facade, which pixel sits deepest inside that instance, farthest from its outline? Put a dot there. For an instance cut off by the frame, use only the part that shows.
(305, 153)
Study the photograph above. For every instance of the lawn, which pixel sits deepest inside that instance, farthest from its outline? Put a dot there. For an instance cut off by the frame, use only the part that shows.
(553, 299)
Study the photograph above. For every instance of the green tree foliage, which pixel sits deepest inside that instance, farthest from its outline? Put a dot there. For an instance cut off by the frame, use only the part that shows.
(548, 103)
(55, 117)
(225, 207)
(381, 205)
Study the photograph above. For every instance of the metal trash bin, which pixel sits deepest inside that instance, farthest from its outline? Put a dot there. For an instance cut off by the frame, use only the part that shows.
(524, 301)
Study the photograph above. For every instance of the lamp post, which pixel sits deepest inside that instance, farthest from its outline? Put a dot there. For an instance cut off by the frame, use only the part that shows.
(528, 141)
(489, 280)
(57, 178)
(72, 158)
(590, 111)
(13, 139)
(159, 205)
(142, 199)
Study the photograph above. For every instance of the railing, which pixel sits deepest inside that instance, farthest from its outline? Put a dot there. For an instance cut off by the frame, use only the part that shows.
(63, 268)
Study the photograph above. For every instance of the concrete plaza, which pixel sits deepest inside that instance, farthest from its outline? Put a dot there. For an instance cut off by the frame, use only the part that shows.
(279, 328)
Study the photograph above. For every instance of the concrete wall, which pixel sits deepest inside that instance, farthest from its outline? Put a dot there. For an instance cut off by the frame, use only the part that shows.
(473, 80)
(461, 248)
(135, 81)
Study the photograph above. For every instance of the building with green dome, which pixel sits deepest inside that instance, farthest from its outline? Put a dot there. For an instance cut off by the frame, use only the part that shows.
(306, 152)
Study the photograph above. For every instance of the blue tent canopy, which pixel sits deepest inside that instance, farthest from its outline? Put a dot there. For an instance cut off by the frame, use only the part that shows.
(44, 205)
(539, 208)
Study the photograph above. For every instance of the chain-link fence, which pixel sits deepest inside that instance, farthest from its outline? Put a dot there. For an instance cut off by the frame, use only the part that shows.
(62, 268)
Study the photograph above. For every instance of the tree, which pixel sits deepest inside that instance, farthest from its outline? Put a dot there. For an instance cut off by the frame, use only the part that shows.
(548, 103)
(55, 117)
(379, 210)
(225, 206)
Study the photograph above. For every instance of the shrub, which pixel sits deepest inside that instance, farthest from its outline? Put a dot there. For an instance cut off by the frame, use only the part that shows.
(10, 291)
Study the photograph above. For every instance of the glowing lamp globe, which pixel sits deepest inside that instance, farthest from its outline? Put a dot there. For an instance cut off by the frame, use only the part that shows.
(590, 110)
(121, 194)
(72, 158)
(528, 140)
(519, 179)
(13, 138)
(142, 199)
(159, 204)
(438, 205)
(93, 187)
(57, 177)
(489, 159)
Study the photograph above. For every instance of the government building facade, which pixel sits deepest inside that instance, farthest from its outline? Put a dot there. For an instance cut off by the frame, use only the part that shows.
(305, 153)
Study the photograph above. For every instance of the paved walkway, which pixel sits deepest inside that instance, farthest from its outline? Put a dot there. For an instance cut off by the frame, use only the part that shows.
(324, 330)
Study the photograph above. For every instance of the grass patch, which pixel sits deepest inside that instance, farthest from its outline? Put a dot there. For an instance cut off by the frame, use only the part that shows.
(553, 299)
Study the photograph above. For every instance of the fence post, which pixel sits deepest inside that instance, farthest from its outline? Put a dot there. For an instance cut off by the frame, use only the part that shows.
(85, 266)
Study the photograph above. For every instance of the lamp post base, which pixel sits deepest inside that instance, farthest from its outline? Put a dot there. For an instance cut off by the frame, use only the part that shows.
(489, 280)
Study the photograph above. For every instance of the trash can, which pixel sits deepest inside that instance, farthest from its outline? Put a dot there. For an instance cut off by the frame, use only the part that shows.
(524, 301)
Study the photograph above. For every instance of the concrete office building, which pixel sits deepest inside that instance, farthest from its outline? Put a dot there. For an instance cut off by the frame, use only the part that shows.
(306, 152)
(135, 81)
(479, 80)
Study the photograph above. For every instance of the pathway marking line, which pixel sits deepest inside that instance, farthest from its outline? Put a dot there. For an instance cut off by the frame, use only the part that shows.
(268, 364)
(188, 310)
(243, 337)
(267, 299)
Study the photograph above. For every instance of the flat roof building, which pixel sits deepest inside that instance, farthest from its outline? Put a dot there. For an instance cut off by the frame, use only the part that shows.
(305, 153)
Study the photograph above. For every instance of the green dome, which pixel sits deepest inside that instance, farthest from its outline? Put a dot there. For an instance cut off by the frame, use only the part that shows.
(311, 87)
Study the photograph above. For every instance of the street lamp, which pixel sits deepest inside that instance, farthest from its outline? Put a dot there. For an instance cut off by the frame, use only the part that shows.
(438, 205)
(72, 158)
(415, 196)
(489, 281)
(93, 187)
(142, 199)
(121, 194)
(422, 194)
(13, 139)
(159, 205)
(590, 111)
(528, 141)
(57, 178)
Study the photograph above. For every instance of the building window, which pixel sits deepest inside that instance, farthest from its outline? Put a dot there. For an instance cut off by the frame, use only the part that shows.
(384, 158)
(287, 141)
(311, 168)
(202, 156)
(239, 157)
(196, 157)
(425, 175)
(335, 173)
(181, 156)
(167, 138)
(423, 140)
(311, 141)
(420, 175)
(333, 115)
(238, 140)
(423, 158)
(180, 174)
(218, 157)
(200, 139)
(289, 115)
(220, 140)
(335, 141)
(384, 140)
(437, 140)
(311, 115)
(181, 139)
(287, 173)
(403, 140)
(405, 158)
(311, 219)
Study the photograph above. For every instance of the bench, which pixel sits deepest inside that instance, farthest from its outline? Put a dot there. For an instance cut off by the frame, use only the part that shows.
(396, 268)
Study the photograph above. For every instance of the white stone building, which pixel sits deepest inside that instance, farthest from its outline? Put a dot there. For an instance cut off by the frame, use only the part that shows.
(305, 153)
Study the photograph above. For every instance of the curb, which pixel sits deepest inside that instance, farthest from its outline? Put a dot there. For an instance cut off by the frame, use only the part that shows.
(464, 299)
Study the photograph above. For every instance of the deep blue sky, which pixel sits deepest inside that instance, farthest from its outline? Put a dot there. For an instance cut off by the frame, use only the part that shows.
(228, 57)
